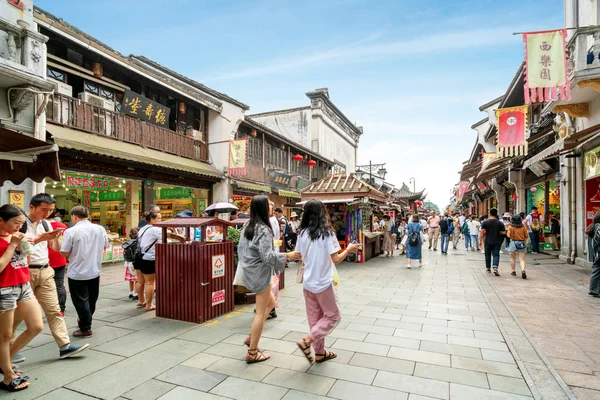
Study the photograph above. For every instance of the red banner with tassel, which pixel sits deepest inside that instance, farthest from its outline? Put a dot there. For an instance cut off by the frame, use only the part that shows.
(512, 131)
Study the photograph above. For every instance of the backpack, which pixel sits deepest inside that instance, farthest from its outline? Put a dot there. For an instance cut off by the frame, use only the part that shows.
(450, 228)
(414, 238)
(465, 228)
(129, 250)
(23, 229)
(535, 223)
(287, 230)
(133, 251)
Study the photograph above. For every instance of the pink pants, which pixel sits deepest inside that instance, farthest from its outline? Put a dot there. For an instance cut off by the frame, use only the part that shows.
(323, 315)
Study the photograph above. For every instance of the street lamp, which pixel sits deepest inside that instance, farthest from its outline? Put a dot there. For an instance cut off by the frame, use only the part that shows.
(414, 184)
(372, 170)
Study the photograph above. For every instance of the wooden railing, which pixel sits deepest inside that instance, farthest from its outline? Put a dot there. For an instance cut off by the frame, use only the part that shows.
(87, 117)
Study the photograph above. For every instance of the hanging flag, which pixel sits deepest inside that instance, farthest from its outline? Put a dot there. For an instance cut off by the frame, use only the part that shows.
(237, 156)
(487, 160)
(463, 187)
(546, 66)
(515, 196)
(512, 130)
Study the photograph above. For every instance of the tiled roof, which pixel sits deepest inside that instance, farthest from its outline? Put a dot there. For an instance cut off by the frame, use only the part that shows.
(344, 184)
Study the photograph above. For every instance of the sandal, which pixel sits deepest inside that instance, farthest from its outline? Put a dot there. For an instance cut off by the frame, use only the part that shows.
(329, 355)
(306, 347)
(257, 356)
(13, 386)
(247, 343)
(140, 305)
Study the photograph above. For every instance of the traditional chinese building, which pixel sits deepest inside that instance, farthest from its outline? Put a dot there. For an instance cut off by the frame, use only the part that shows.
(321, 127)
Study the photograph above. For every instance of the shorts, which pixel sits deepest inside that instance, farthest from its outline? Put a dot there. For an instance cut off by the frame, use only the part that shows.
(11, 295)
(146, 266)
(512, 247)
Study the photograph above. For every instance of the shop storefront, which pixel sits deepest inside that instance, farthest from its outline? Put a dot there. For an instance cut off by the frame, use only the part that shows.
(591, 175)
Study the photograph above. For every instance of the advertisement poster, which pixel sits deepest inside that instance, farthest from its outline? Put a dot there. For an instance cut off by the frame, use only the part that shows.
(17, 198)
(591, 166)
(218, 297)
(592, 199)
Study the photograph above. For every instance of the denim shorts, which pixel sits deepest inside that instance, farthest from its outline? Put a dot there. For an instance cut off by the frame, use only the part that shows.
(10, 296)
(512, 247)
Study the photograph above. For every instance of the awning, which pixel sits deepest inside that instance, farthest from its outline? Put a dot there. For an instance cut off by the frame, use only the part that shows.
(544, 154)
(328, 201)
(97, 144)
(289, 193)
(578, 138)
(252, 187)
(23, 156)
(493, 169)
(470, 170)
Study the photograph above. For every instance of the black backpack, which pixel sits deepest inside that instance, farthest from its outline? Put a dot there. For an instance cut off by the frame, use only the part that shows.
(414, 238)
(132, 252)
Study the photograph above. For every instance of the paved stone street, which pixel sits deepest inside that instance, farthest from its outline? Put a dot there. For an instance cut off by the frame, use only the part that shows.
(446, 331)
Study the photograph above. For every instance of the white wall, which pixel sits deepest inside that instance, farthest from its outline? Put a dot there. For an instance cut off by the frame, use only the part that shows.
(294, 125)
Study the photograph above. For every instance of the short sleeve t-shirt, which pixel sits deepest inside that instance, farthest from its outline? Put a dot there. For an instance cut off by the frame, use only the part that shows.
(16, 272)
(151, 234)
(473, 227)
(493, 227)
(56, 260)
(317, 263)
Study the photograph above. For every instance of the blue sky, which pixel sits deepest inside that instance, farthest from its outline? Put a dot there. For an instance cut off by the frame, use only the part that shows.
(412, 73)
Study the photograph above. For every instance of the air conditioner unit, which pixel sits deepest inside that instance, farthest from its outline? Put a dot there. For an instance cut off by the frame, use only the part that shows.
(97, 101)
(62, 88)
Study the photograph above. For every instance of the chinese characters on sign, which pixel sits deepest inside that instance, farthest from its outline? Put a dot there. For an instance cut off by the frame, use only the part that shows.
(87, 182)
(218, 266)
(546, 66)
(281, 180)
(512, 129)
(218, 297)
(136, 105)
(237, 156)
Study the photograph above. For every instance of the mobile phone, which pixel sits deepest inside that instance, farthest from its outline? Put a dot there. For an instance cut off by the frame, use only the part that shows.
(59, 229)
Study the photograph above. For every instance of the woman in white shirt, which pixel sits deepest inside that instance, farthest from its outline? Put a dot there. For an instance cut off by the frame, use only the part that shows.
(320, 251)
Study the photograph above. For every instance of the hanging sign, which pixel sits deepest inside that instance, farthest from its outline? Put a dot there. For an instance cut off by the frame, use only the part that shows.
(138, 106)
(176, 193)
(87, 201)
(128, 198)
(86, 182)
(487, 160)
(218, 266)
(237, 156)
(281, 180)
(546, 66)
(512, 131)
(463, 187)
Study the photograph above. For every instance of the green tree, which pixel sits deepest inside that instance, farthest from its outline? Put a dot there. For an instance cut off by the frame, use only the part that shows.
(431, 207)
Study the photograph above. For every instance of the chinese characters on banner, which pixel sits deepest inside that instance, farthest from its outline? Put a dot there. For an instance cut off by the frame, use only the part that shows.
(512, 131)
(128, 198)
(546, 71)
(86, 182)
(138, 106)
(237, 156)
(281, 180)
(463, 187)
(87, 201)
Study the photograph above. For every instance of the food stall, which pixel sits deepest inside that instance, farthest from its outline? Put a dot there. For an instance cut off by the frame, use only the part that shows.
(350, 201)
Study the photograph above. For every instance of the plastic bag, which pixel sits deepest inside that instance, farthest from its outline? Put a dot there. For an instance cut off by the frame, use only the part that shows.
(239, 277)
(335, 277)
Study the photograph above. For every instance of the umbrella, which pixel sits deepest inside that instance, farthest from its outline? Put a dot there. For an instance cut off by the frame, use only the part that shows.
(221, 207)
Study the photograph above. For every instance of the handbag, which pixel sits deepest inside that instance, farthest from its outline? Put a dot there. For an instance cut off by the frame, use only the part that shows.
(520, 244)
(300, 272)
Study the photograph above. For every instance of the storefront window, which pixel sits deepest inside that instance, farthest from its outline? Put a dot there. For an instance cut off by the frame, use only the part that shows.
(591, 174)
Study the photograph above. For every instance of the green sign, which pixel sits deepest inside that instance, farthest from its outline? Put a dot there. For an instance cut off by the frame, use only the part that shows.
(302, 183)
(175, 193)
(201, 204)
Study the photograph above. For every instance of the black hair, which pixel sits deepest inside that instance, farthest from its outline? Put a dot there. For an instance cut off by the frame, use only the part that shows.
(80, 212)
(415, 217)
(534, 208)
(153, 206)
(40, 198)
(233, 213)
(387, 217)
(315, 219)
(522, 214)
(597, 217)
(133, 233)
(211, 213)
(494, 212)
(259, 214)
(150, 216)
(278, 210)
(9, 211)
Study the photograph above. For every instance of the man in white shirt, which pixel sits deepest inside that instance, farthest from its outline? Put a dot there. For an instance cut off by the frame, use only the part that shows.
(42, 276)
(83, 245)
(474, 227)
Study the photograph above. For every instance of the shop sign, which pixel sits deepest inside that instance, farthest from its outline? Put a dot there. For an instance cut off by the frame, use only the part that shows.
(138, 106)
(302, 183)
(218, 266)
(175, 193)
(281, 180)
(540, 168)
(481, 187)
(17, 198)
(107, 254)
(87, 201)
(87, 182)
(591, 164)
(128, 198)
(241, 198)
(218, 297)
(111, 196)
(237, 156)
(201, 204)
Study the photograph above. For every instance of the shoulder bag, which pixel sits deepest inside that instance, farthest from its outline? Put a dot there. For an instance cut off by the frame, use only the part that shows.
(300, 272)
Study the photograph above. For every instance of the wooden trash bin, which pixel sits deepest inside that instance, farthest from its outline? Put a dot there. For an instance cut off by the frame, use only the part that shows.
(194, 281)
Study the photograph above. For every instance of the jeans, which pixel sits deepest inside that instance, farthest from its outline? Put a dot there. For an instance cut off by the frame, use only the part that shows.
(506, 242)
(492, 250)
(467, 241)
(59, 280)
(475, 241)
(84, 295)
(445, 242)
(535, 241)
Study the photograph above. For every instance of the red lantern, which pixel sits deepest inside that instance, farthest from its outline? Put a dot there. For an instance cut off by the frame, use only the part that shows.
(298, 158)
(312, 163)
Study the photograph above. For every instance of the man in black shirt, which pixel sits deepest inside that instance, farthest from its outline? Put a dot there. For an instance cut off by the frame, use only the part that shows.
(444, 234)
(494, 231)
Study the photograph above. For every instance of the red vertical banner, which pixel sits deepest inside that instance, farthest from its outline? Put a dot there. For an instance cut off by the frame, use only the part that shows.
(463, 187)
(87, 203)
(512, 131)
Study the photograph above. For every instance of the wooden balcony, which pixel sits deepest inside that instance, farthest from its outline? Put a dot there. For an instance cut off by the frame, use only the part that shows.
(77, 114)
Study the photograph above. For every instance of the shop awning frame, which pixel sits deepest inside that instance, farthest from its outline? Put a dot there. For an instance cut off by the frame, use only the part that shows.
(252, 187)
(328, 201)
(289, 193)
(548, 152)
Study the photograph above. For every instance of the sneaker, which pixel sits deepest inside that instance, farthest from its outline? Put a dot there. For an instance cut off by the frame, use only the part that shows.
(18, 358)
(80, 333)
(131, 295)
(72, 350)
(135, 297)
(496, 272)
(488, 270)
(272, 314)
(513, 273)
(523, 274)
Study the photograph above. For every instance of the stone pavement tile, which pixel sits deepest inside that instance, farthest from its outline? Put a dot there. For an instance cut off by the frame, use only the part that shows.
(413, 384)
(123, 376)
(424, 321)
(570, 365)
(480, 343)
(383, 363)
(562, 349)
(450, 317)
(586, 394)
(382, 330)
(451, 349)
(420, 356)
(103, 335)
(494, 355)
(581, 380)
(345, 372)
(109, 316)
(471, 313)
(279, 346)
(393, 341)
(59, 394)
(237, 352)
(371, 308)
(485, 321)
(386, 304)
(43, 339)
(183, 393)
(354, 391)
(449, 331)
(413, 396)
(138, 322)
(208, 334)
(149, 390)
(315, 384)
(489, 336)
(454, 375)
(242, 389)
(510, 385)
(294, 362)
(390, 317)
(489, 367)
(464, 392)
(192, 378)
(297, 395)
(400, 311)
(473, 326)
(432, 337)
(294, 336)
(361, 347)
(241, 369)
(346, 334)
(201, 360)
(400, 325)
(291, 326)
(274, 333)
(295, 319)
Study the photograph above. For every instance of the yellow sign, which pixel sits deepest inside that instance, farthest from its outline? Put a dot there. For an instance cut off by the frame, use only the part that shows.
(17, 198)
(237, 157)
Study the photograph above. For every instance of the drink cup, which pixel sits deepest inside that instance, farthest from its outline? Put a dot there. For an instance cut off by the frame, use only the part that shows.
(26, 247)
(277, 243)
